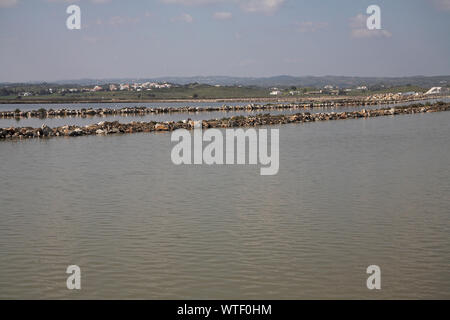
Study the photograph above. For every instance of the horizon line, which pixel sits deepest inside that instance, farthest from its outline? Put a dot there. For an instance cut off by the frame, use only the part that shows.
(222, 76)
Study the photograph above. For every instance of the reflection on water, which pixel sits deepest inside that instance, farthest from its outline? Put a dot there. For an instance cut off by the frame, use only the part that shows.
(348, 194)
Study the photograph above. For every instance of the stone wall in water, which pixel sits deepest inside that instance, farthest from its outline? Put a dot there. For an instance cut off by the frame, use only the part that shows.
(50, 113)
(237, 121)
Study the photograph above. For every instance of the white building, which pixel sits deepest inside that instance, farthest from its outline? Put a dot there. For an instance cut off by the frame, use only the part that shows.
(124, 86)
(434, 90)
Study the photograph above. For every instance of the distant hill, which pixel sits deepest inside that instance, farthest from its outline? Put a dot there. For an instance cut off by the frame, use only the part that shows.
(283, 81)
(312, 81)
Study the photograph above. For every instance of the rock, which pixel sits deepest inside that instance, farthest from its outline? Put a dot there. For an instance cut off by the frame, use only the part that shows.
(46, 131)
(161, 127)
(75, 132)
(113, 130)
(29, 133)
(235, 121)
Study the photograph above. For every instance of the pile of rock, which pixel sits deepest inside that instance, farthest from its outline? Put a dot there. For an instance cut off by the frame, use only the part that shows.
(394, 97)
(103, 128)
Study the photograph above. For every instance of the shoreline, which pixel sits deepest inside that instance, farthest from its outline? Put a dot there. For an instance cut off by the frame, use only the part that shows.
(207, 100)
(105, 128)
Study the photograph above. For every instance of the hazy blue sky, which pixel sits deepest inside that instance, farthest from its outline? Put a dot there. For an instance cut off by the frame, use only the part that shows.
(149, 38)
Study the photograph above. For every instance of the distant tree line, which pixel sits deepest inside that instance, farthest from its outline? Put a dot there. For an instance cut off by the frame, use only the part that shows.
(6, 92)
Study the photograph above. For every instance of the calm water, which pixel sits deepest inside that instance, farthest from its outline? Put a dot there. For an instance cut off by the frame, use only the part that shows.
(61, 121)
(32, 106)
(348, 194)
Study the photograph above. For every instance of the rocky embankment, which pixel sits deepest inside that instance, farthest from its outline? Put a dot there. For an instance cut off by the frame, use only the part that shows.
(116, 127)
(103, 112)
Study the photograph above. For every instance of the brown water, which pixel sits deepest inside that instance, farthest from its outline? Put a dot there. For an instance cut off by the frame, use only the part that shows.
(349, 194)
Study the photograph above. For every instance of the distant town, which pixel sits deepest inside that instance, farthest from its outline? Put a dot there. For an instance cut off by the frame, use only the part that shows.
(164, 90)
(335, 90)
(137, 87)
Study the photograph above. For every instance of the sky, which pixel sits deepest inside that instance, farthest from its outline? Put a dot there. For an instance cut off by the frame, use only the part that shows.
(251, 38)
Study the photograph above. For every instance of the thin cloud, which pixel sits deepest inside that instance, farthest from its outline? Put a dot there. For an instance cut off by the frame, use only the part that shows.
(8, 3)
(118, 20)
(185, 17)
(191, 2)
(442, 4)
(222, 15)
(62, 1)
(72, 1)
(264, 6)
(90, 40)
(359, 29)
(261, 6)
(311, 26)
